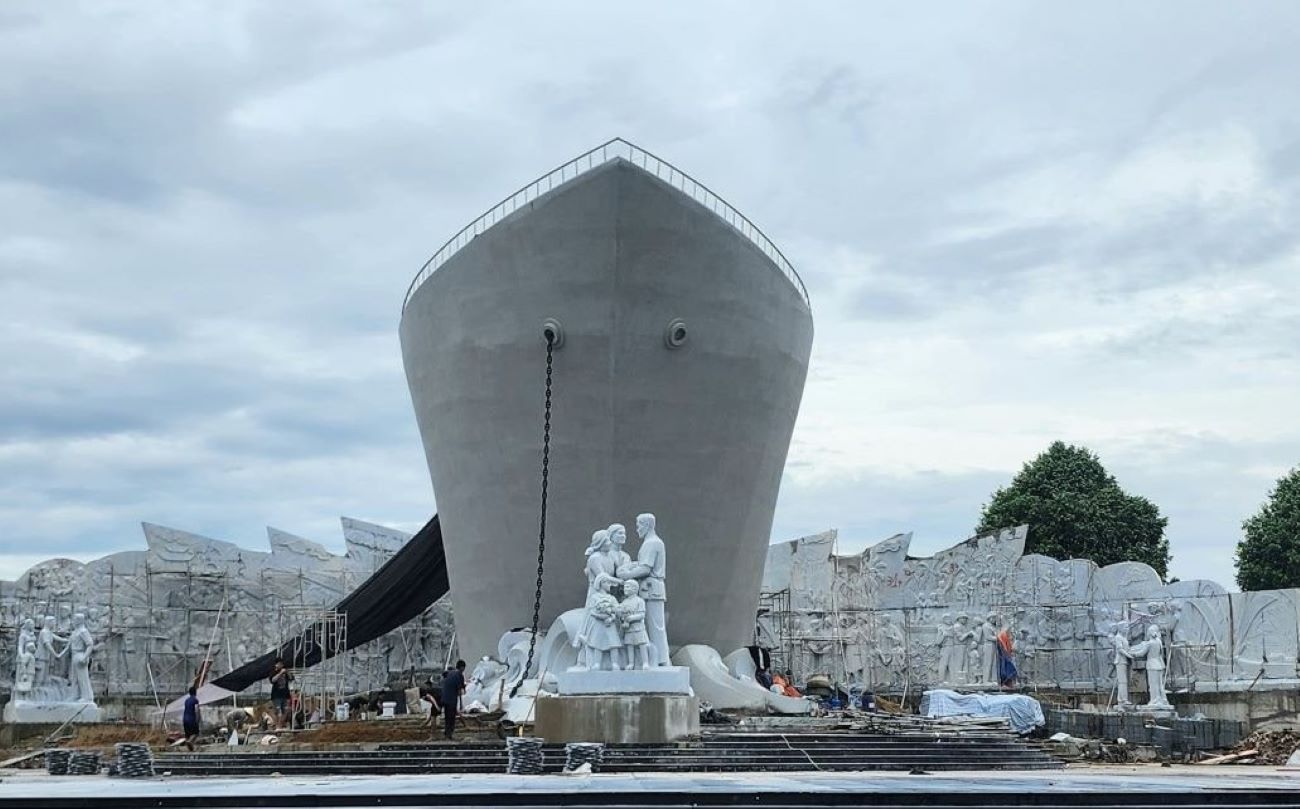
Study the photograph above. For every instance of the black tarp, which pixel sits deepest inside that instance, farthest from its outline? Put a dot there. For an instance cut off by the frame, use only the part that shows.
(407, 584)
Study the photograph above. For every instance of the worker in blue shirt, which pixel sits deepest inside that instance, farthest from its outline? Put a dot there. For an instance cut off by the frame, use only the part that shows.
(190, 718)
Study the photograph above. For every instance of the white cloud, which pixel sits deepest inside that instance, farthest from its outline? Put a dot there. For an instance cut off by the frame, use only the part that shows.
(1018, 223)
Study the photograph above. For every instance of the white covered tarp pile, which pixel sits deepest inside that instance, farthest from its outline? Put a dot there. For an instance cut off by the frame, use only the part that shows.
(1021, 712)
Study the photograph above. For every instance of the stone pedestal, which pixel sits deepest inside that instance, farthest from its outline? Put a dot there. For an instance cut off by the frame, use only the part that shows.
(658, 680)
(617, 718)
(23, 711)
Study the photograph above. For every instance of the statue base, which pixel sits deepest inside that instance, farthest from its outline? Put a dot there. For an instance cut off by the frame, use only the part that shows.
(658, 680)
(617, 718)
(1158, 711)
(23, 711)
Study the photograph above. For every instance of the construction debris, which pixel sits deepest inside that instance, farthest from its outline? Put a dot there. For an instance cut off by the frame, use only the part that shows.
(1272, 747)
(1244, 757)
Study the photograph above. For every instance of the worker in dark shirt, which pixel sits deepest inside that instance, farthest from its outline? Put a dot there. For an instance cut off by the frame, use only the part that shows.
(190, 718)
(280, 693)
(453, 685)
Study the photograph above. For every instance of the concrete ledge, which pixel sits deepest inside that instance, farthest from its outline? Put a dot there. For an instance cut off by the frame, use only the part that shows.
(617, 719)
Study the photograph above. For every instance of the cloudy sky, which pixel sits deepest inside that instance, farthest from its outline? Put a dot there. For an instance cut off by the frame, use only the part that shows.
(1018, 222)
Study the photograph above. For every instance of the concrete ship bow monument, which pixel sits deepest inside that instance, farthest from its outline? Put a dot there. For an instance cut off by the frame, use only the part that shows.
(681, 345)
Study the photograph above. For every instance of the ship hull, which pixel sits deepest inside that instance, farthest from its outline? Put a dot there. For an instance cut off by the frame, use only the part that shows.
(697, 433)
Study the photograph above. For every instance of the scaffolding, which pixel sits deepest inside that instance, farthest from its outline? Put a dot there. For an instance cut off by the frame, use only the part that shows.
(322, 685)
(158, 626)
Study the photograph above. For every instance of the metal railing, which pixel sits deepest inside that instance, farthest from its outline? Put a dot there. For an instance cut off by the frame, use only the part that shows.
(587, 161)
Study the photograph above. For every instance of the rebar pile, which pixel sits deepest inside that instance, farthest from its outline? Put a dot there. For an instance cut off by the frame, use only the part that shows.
(83, 762)
(134, 760)
(577, 754)
(525, 755)
(56, 761)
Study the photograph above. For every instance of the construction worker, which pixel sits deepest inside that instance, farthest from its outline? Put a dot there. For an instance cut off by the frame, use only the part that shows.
(190, 718)
(453, 685)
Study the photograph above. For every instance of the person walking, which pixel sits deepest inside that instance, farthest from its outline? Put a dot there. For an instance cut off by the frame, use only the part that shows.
(280, 679)
(453, 685)
(190, 718)
(431, 695)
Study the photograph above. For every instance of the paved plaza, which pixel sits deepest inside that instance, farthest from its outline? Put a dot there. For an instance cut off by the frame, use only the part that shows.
(1218, 785)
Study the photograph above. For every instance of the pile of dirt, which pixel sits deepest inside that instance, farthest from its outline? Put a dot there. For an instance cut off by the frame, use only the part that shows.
(105, 736)
(357, 732)
(469, 728)
(1274, 746)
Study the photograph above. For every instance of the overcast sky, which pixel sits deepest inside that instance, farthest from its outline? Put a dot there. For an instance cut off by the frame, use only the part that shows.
(1018, 222)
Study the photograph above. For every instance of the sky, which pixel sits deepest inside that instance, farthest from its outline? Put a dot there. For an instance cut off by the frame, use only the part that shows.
(1017, 222)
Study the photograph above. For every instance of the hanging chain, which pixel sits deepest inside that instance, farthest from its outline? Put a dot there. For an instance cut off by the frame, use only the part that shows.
(541, 530)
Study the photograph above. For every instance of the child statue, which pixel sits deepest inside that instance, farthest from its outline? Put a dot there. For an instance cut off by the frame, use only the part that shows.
(631, 616)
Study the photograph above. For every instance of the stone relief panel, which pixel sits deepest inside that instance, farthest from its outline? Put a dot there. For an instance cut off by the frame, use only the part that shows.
(891, 621)
(156, 614)
(1264, 633)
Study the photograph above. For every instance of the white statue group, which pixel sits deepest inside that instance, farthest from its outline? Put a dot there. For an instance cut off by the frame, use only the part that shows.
(41, 674)
(1152, 652)
(623, 624)
(968, 652)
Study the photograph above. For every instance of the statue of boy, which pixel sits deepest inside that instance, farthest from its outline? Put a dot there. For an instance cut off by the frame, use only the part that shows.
(631, 615)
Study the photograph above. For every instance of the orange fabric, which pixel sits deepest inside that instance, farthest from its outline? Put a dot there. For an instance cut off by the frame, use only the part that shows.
(786, 687)
(1004, 640)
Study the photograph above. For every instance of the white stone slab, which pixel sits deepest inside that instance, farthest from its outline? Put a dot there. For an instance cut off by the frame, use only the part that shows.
(23, 711)
(660, 680)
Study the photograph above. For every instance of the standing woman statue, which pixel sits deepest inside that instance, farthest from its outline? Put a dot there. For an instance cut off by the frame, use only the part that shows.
(1153, 651)
(599, 568)
(46, 654)
(25, 671)
(26, 635)
(617, 541)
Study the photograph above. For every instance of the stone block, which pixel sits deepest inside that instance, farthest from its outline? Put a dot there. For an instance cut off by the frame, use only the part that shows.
(617, 718)
(24, 712)
(660, 680)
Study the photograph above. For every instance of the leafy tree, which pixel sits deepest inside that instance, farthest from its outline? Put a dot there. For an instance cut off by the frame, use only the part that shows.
(1076, 510)
(1269, 556)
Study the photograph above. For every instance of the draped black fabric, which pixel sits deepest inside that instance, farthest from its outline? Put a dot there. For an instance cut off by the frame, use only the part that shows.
(403, 588)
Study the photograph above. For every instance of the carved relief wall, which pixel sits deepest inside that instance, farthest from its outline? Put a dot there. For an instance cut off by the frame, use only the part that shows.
(894, 622)
(155, 613)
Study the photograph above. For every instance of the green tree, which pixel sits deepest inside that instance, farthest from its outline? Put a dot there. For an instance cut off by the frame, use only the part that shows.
(1076, 510)
(1269, 556)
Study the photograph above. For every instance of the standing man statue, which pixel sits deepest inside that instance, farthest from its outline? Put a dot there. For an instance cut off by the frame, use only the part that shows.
(80, 643)
(987, 637)
(1123, 660)
(650, 569)
(952, 654)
